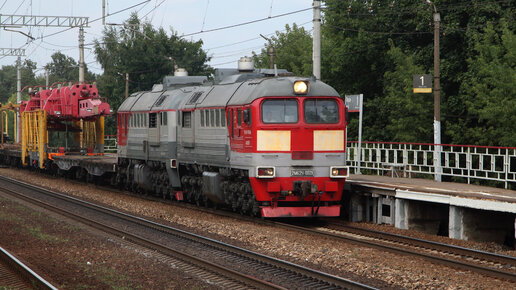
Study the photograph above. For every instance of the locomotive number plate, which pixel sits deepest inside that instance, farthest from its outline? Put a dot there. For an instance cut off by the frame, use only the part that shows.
(301, 172)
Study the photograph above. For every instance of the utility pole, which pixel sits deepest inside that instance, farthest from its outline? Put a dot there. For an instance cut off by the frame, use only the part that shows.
(18, 96)
(81, 55)
(437, 98)
(103, 12)
(316, 54)
(270, 52)
(126, 85)
(46, 79)
(19, 53)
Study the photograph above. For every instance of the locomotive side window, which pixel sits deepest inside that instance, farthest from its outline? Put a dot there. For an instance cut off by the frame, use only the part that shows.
(239, 117)
(164, 119)
(279, 111)
(217, 118)
(321, 111)
(202, 118)
(222, 119)
(187, 120)
(212, 118)
(153, 120)
(246, 117)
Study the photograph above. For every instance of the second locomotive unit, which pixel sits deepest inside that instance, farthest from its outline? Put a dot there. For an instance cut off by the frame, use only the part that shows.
(258, 141)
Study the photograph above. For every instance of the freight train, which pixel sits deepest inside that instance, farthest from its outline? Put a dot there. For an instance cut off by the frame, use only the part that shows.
(257, 141)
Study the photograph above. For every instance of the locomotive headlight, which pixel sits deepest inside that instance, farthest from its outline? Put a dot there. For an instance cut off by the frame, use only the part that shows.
(301, 87)
(339, 172)
(265, 172)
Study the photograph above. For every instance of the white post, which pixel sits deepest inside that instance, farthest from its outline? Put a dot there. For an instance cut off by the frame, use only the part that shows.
(361, 102)
(316, 53)
(437, 151)
(437, 99)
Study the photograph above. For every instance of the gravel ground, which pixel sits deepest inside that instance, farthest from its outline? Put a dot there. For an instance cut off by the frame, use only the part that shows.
(346, 260)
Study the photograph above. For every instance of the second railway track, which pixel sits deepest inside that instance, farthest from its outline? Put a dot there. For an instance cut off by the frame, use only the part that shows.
(487, 263)
(212, 259)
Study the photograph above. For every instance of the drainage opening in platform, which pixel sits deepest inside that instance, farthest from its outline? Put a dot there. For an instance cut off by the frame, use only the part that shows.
(386, 210)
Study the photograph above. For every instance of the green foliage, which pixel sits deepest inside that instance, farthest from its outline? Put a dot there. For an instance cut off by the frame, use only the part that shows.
(477, 67)
(9, 77)
(147, 54)
(355, 58)
(293, 51)
(63, 68)
(489, 90)
(409, 114)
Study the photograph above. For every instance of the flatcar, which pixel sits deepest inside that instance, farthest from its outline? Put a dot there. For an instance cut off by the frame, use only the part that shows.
(258, 141)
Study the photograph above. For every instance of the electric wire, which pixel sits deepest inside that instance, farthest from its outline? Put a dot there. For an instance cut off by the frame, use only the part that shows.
(251, 39)
(19, 7)
(155, 6)
(247, 22)
(205, 14)
(3, 4)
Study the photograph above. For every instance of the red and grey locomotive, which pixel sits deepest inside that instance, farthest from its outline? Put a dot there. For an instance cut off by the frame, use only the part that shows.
(258, 141)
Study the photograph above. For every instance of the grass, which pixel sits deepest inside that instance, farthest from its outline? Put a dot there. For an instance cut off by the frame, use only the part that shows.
(109, 276)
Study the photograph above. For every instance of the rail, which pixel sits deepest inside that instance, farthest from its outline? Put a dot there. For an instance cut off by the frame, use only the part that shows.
(461, 163)
(22, 273)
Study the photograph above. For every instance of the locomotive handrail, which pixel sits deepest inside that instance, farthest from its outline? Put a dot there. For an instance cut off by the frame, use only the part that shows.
(460, 163)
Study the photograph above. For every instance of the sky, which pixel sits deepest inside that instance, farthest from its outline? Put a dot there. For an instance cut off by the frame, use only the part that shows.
(186, 17)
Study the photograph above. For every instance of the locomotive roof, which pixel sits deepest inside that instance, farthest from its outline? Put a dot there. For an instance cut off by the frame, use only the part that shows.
(223, 94)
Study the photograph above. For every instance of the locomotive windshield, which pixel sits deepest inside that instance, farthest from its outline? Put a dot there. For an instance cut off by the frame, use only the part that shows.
(279, 111)
(321, 111)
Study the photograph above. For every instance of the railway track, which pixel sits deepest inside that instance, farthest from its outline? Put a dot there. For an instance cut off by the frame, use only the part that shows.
(15, 275)
(487, 263)
(220, 263)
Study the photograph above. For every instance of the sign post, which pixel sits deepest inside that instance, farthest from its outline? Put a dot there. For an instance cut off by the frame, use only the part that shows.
(355, 104)
(423, 84)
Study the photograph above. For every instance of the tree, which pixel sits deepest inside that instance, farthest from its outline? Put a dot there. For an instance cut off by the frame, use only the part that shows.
(9, 78)
(358, 61)
(63, 68)
(410, 115)
(293, 49)
(489, 91)
(146, 54)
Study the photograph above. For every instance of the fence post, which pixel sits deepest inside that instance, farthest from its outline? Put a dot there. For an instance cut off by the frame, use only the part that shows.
(506, 167)
(468, 164)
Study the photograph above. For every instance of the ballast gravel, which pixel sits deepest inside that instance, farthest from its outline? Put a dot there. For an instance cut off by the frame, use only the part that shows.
(369, 266)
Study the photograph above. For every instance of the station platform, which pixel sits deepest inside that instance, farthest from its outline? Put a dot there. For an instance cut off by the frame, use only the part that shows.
(420, 189)
(461, 211)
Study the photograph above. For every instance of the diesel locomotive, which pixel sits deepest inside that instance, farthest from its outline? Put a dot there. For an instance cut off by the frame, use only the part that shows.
(259, 141)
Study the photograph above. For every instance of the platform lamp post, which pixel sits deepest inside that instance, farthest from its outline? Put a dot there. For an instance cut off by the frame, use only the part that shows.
(437, 95)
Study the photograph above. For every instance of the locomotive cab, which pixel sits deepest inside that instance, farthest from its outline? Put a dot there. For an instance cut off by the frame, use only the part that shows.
(300, 146)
